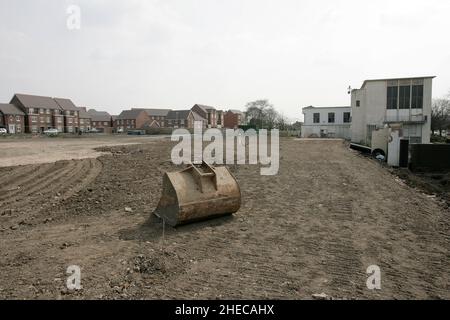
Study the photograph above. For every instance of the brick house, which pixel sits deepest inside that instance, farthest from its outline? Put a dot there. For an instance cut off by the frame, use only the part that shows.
(157, 116)
(71, 115)
(41, 113)
(12, 118)
(233, 119)
(131, 119)
(214, 117)
(84, 119)
(101, 121)
(184, 119)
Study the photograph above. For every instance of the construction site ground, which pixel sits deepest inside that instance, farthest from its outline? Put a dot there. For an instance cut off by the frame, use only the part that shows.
(315, 227)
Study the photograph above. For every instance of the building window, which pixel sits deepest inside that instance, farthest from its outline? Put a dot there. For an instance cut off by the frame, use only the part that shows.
(41, 110)
(331, 117)
(18, 118)
(417, 97)
(316, 117)
(392, 96)
(358, 103)
(31, 111)
(105, 123)
(33, 119)
(347, 117)
(405, 94)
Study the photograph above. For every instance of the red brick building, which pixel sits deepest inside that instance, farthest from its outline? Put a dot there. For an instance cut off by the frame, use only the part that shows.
(84, 119)
(101, 121)
(12, 118)
(71, 115)
(184, 119)
(41, 113)
(214, 117)
(131, 119)
(233, 119)
(157, 116)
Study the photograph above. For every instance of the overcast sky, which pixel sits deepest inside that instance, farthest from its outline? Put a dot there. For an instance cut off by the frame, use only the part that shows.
(175, 53)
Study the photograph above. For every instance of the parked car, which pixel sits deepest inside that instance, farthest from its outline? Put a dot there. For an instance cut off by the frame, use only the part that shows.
(3, 131)
(94, 130)
(51, 132)
(120, 130)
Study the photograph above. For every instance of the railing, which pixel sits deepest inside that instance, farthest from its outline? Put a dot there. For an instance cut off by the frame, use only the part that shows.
(419, 118)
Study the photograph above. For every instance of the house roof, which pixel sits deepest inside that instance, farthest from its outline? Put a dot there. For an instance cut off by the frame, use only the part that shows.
(393, 79)
(236, 111)
(322, 108)
(66, 104)
(7, 108)
(82, 113)
(149, 124)
(205, 107)
(154, 112)
(197, 117)
(130, 114)
(32, 101)
(99, 115)
(178, 114)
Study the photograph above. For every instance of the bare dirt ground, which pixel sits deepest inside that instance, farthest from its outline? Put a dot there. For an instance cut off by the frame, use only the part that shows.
(315, 227)
(41, 149)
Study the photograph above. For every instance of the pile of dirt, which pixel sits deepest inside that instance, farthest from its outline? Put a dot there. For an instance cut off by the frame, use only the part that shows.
(434, 184)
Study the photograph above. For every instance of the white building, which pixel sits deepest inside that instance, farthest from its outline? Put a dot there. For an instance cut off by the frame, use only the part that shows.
(403, 102)
(327, 122)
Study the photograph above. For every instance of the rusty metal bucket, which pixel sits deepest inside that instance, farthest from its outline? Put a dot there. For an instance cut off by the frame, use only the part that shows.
(198, 193)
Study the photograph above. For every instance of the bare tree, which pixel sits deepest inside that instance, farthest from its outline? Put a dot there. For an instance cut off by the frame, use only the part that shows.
(282, 122)
(270, 117)
(440, 115)
(257, 112)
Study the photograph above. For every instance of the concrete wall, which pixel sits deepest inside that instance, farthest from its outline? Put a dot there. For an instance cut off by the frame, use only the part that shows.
(338, 129)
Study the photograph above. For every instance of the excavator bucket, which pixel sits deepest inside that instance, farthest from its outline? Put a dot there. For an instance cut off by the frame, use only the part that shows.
(197, 193)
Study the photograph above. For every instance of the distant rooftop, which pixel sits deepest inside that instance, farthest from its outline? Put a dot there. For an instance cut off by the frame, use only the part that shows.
(154, 112)
(33, 101)
(99, 115)
(10, 109)
(312, 107)
(66, 104)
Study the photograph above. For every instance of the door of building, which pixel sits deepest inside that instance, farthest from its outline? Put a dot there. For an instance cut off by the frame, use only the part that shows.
(12, 128)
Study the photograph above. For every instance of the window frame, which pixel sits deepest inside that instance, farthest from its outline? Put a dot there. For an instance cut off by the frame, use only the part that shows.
(404, 97)
(415, 97)
(392, 97)
(318, 117)
(333, 114)
(349, 120)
